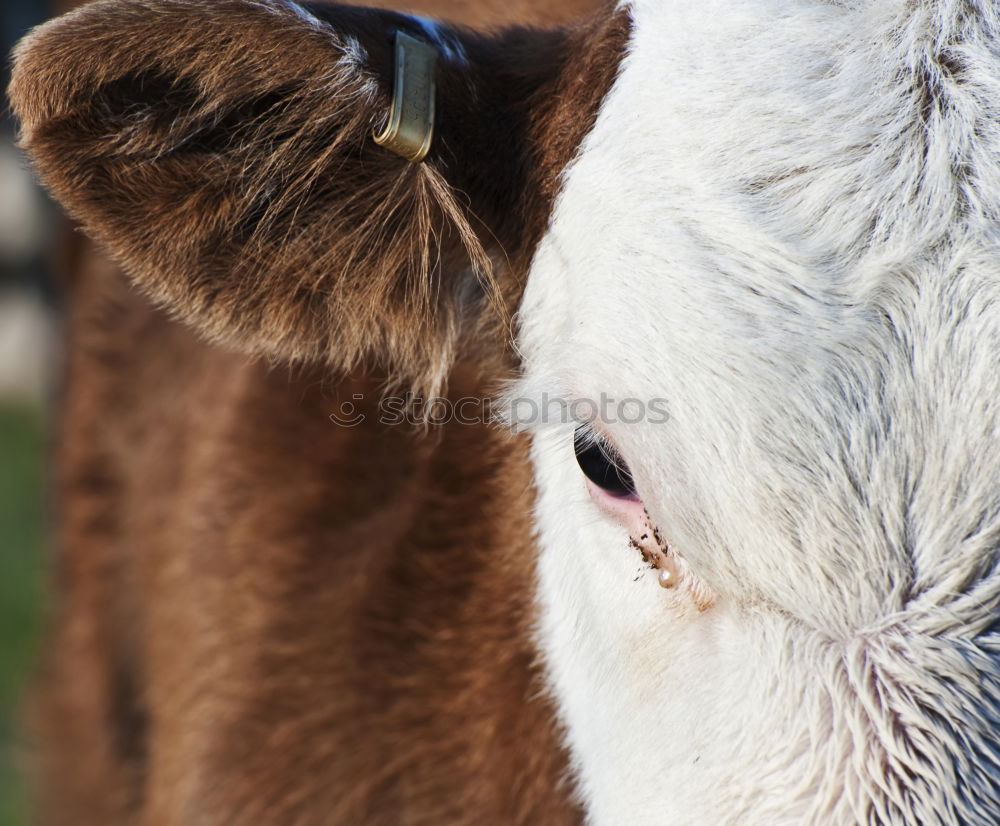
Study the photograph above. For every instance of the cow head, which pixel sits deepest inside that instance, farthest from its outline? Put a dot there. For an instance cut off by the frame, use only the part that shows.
(780, 220)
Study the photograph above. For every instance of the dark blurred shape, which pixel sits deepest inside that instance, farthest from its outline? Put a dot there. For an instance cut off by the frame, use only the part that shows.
(25, 219)
(27, 232)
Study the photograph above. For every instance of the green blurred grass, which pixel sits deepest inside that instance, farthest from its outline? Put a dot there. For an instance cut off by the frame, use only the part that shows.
(21, 514)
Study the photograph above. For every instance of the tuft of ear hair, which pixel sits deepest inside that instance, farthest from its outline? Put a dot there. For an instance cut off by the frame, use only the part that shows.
(222, 152)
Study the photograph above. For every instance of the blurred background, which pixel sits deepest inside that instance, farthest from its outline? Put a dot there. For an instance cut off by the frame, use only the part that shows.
(28, 323)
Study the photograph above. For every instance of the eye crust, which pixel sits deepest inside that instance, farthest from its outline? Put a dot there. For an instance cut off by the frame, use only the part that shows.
(602, 464)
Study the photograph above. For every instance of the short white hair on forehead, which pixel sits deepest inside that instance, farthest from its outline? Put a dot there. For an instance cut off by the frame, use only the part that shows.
(793, 241)
(786, 221)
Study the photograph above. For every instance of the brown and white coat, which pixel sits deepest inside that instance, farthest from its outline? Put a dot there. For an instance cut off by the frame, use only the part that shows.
(779, 218)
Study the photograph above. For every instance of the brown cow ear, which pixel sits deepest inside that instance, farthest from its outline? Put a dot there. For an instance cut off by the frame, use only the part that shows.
(222, 152)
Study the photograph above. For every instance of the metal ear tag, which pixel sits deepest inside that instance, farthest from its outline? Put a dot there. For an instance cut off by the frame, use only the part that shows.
(410, 129)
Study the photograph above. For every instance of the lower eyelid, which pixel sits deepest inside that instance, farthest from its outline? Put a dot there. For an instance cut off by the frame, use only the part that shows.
(628, 511)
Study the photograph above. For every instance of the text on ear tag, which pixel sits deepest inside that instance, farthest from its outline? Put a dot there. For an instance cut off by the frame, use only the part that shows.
(411, 117)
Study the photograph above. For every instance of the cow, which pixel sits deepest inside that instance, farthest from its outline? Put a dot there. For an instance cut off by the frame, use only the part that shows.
(755, 581)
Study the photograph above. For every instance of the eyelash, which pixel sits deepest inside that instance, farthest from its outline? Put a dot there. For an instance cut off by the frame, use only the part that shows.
(602, 464)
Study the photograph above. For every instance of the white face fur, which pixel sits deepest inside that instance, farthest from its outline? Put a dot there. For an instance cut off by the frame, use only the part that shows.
(786, 223)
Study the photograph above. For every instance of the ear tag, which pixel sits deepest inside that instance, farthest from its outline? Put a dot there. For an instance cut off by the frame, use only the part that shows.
(411, 117)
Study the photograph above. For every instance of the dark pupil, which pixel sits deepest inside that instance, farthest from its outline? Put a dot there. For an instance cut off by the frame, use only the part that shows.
(601, 464)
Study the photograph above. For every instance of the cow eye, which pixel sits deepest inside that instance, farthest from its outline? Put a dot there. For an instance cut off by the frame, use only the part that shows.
(602, 464)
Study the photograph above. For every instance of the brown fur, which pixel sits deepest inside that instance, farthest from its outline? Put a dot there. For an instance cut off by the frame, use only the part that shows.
(262, 617)
(239, 186)
(266, 618)
(242, 190)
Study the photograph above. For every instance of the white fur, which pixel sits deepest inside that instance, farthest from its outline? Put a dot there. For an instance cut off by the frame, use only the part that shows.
(450, 46)
(787, 222)
(279, 8)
